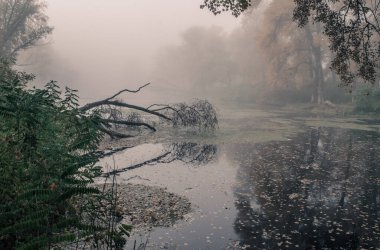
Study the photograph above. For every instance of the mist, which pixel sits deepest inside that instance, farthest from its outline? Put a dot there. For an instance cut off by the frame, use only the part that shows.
(185, 53)
(100, 47)
(154, 124)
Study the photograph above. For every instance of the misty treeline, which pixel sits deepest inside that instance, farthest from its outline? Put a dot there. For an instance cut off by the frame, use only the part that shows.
(351, 27)
(268, 56)
(285, 51)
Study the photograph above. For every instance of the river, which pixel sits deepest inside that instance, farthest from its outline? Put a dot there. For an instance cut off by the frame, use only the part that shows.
(266, 180)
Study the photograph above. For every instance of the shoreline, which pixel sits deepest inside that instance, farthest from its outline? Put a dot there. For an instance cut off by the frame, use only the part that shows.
(146, 207)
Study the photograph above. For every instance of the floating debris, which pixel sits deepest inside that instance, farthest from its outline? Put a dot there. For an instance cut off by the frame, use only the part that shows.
(145, 207)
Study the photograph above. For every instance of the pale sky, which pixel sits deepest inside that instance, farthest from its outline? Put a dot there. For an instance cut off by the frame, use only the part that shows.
(111, 44)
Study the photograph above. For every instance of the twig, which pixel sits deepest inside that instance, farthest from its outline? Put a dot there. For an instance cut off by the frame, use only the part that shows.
(127, 90)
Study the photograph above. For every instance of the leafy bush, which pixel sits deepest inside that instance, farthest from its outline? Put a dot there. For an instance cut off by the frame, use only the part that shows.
(47, 163)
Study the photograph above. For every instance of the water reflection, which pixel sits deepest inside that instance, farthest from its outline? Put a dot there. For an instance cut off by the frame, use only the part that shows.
(187, 152)
(193, 153)
(319, 190)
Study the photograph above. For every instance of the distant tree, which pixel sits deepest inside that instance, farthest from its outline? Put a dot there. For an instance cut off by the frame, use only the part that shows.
(294, 56)
(201, 61)
(245, 52)
(22, 25)
(352, 27)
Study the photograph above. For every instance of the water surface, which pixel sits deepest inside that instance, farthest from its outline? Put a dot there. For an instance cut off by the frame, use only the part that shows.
(265, 181)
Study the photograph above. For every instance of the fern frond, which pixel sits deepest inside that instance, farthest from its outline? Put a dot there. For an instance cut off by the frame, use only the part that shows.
(25, 225)
(78, 191)
(4, 216)
(40, 194)
(40, 242)
(73, 181)
(65, 223)
(64, 238)
(37, 215)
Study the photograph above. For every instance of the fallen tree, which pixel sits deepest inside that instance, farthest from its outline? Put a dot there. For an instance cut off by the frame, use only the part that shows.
(119, 124)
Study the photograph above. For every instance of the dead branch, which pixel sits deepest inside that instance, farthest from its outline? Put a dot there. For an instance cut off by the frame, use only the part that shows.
(199, 114)
(129, 123)
(114, 134)
(127, 90)
(121, 104)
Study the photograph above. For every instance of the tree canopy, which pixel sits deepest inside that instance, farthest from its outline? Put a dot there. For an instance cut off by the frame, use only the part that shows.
(352, 27)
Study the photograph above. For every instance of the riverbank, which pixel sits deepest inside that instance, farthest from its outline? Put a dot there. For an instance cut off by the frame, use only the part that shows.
(145, 207)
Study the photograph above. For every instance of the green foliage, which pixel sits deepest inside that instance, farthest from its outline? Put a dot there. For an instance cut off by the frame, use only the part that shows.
(47, 162)
(367, 100)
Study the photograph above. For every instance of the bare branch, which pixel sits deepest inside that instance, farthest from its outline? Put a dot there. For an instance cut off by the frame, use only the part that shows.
(121, 104)
(199, 114)
(129, 123)
(114, 134)
(127, 90)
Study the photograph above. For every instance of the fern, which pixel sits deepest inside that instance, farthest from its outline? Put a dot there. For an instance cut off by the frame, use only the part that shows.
(37, 194)
(25, 225)
(78, 191)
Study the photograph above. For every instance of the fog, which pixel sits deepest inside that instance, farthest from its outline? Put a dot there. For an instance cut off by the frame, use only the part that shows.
(99, 47)
(240, 136)
(262, 57)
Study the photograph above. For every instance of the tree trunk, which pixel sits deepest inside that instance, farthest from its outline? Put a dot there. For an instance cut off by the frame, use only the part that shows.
(315, 48)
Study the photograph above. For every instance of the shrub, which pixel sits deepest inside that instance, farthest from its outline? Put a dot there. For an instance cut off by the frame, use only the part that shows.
(47, 163)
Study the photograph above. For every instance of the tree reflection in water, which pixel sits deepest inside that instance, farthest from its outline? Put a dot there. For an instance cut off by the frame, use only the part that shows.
(319, 190)
(187, 152)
